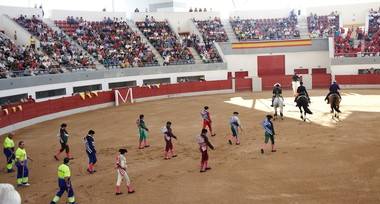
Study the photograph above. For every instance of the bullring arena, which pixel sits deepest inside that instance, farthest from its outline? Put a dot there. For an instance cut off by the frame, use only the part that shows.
(324, 158)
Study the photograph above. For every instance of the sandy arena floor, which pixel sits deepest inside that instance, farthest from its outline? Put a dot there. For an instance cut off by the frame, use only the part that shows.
(320, 161)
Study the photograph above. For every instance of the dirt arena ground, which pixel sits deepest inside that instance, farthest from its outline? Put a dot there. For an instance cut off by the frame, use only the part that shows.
(319, 161)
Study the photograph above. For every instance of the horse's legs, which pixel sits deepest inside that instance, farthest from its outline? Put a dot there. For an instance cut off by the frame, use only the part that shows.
(300, 112)
(281, 110)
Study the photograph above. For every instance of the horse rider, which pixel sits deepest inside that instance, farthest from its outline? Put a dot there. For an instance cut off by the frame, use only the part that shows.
(277, 90)
(334, 88)
(301, 90)
(295, 82)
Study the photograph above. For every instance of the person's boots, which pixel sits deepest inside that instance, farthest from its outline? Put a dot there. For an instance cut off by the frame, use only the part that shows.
(130, 189)
(118, 192)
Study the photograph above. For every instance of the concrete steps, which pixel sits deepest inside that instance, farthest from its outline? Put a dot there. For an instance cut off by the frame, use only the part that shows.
(197, 57)
(229, 30)
(303, 28)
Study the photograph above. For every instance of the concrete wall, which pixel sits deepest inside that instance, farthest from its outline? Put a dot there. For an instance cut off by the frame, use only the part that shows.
(355, 60)
(87, 15)
(351, 69)
(293, 60)
(259, 14)
(17, 11)
(350, 13)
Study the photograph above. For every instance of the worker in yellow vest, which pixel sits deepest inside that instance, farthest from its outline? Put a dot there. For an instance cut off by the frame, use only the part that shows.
(9, 151)
(32, 42)
(64, 183)
(22, 165)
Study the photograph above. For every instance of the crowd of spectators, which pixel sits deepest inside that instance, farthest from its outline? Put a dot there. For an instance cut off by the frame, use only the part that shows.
(111, 41)
(357, 43)
(211, 29)
(266, 29)
(55, 44)
(198, 9)
(165, 41)
(369, 71)
(373, 22)
(323, 26)
(206, 51)
(22, 60)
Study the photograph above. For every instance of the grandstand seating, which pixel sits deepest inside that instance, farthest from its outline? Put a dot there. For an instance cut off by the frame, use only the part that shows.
(111, 42)
(265, 29)
(212, 30)
(22, 60)
(207, 50)
(55, 44)
(165, 41)
(323, 26)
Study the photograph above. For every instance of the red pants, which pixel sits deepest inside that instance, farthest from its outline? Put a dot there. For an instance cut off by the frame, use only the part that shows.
(207, 123)
(169, 145)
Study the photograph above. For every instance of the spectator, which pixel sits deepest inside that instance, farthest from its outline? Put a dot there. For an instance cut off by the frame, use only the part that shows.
(212, 30)
(266, 29)
(137, 10)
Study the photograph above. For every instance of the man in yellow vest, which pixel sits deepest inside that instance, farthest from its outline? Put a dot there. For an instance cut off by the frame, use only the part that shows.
(64, 183)
(22, 165)
(32, 43)
(9, 151)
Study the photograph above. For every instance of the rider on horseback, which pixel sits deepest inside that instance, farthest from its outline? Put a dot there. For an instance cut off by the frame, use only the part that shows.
(334, 87)
(301, 90)
(277, 90)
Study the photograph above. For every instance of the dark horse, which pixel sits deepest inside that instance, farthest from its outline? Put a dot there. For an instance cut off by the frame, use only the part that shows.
(303, 102)
(334, 101)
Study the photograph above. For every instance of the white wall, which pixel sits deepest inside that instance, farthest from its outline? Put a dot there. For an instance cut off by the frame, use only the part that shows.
(292, 60)
(14, 12)
(351, 69)
(179, 20)
(256, 14)
(347, 12)
(87, 15)
(209, 76)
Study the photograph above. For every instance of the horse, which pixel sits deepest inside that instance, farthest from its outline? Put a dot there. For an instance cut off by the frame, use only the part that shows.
(303, 102)
(334, 101)
(278, 102)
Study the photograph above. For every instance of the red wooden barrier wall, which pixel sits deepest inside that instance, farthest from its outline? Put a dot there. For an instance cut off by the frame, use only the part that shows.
(268, 81)
(241, 74)
(33, 110)
(321, 80)
(358, 79)
(271, 65)
(243, 84)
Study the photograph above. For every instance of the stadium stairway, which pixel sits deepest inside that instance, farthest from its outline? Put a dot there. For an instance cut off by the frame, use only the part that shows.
(54, 27)
(145, 40)
(230, 32)
(302, 25)
(195, 31)
(196, 56)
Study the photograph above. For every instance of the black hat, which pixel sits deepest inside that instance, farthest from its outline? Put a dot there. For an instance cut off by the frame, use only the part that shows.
(66, 160)
(91, 132)
(269, 116)
(123, 151)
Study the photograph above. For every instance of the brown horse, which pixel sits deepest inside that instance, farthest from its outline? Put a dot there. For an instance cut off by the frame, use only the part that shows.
(334, 101)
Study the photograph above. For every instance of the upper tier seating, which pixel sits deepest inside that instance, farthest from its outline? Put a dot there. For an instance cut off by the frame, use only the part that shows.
(323, 26)
(165, 41)
(212, 30)
(111, 42)
(56, 44)
(23, 60)
(266, 29)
